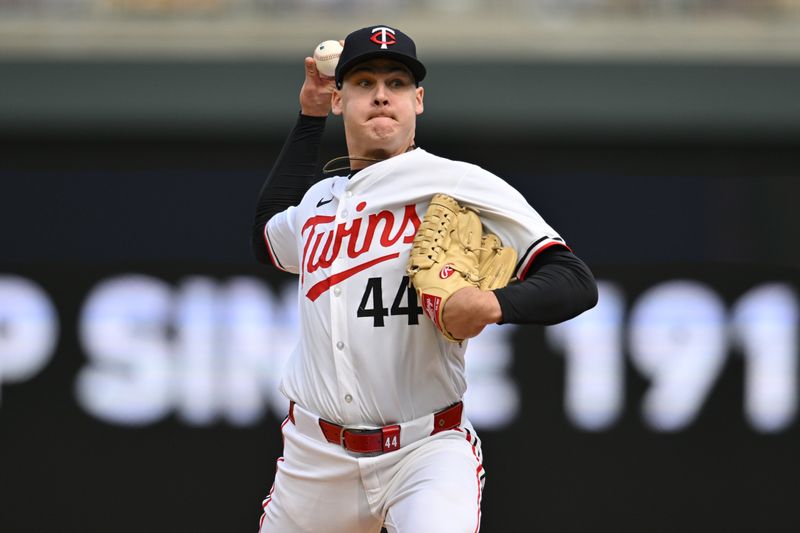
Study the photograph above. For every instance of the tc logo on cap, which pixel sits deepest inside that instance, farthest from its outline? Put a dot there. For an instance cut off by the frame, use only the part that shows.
(382, 37)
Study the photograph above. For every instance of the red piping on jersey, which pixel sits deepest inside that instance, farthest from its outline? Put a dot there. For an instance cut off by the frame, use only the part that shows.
(537, 252)
(271, 253)
(327, 283)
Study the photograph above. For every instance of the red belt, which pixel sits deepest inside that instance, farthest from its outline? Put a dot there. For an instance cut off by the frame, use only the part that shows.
(384, 439)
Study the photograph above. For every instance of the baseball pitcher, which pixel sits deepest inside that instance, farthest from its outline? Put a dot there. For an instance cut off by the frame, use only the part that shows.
(401, 256)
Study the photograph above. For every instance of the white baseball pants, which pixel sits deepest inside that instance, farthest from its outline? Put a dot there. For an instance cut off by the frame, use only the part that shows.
(432, 485)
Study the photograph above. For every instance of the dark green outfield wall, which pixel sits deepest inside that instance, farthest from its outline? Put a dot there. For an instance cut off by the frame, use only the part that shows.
(597, 99)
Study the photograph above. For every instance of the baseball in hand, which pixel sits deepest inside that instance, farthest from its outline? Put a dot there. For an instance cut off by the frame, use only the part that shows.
(326, 56)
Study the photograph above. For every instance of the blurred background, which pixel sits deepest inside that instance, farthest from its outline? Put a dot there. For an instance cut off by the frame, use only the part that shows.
(140, 344)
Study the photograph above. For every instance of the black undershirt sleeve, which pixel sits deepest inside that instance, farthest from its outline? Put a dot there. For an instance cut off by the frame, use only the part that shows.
(291, 176)
(559, 286)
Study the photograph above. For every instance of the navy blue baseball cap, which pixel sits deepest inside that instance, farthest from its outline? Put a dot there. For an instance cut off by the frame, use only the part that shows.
(378, 42)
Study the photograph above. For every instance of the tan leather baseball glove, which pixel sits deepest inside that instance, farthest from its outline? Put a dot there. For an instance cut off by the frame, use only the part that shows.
(450, 252)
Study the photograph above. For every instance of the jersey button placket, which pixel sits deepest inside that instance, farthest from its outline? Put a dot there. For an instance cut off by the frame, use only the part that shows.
(339, 320)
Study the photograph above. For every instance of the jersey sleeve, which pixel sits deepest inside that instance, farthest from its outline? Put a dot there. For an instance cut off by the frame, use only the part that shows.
(280, 237)
(506, 213)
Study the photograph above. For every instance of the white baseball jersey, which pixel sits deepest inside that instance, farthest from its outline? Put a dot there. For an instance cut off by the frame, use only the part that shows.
(367, 355)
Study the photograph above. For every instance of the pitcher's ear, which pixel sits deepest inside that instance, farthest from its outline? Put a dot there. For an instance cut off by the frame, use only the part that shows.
(336, 102)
